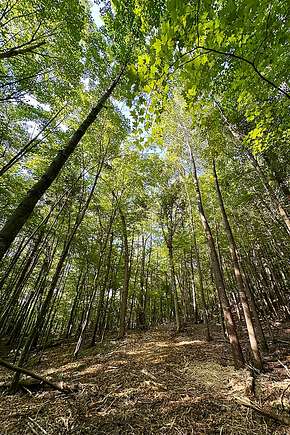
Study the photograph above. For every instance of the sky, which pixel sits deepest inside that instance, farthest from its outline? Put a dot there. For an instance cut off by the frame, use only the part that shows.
(32, 126)
(96, 15)
(95, 9)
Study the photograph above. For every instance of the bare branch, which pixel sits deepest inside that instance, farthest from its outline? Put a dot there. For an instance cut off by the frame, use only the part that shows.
(17, 17)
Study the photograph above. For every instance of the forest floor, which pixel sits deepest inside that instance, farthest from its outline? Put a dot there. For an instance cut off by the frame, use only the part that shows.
(154, 382)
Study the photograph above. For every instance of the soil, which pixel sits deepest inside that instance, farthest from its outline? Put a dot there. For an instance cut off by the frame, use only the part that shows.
(155, 382)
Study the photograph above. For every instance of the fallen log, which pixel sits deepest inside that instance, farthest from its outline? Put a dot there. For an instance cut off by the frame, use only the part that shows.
(57, 386)
(265, 412)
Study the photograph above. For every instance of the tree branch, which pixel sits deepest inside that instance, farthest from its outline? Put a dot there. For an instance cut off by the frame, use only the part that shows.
(16, 50)
(267, 413)
(236, 56)
(33, 375)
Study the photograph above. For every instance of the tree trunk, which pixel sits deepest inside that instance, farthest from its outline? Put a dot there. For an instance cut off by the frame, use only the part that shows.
(42, 315)
(275, 201)
(140, 314)
(173, 286)
(22, 213)
(204, 304)
(20, 370)
(238, 275)
(24, 150)
(125, 289)
(100, 308)
(229, 320)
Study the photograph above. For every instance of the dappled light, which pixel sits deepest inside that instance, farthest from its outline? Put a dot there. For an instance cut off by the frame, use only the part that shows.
(69, 366)
(125, 386)
(180, 343)
(144, 217)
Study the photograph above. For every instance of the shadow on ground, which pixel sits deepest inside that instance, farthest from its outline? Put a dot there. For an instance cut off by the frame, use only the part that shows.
(154, 383)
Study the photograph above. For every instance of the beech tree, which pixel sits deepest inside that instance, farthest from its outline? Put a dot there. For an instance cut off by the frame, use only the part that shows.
(144, 163)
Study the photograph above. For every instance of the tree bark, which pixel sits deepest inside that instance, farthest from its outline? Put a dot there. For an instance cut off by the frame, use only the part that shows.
(125, 289)
(201, 287)
(229, 320)
(22, 213)
(21, 370)
(238, 275)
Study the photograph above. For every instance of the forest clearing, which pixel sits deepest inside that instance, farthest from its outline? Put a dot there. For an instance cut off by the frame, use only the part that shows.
(144, 217)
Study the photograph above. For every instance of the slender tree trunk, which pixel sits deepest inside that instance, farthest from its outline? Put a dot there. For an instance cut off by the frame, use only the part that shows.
(191, 282)
(173, 285)
(21, 281)
(147, 284)
(22, 213)
(201, 287)
(140, 315)
(275, 201)
(100, 308)
(260, 332)
(238, 275)
(13, 262)
(125, 289)
(85, 318)
(229, 320)
(80, 282)
(24, 150)
(42, 315)
(200, 276)
(278, 178)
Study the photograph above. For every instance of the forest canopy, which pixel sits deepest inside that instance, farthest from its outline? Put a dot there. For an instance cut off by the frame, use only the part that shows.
(144, 172)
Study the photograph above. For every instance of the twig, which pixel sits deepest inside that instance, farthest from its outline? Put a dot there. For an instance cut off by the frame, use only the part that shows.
(285, 367)
(267, 413)
(38, 425)
(32, 428)
(235, 56)
(282, 396)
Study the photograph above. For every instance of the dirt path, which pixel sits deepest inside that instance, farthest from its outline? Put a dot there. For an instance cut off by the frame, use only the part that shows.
(154, 383)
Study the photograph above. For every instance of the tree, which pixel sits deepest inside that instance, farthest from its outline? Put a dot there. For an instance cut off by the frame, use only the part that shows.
(161, 196)
(26, 207)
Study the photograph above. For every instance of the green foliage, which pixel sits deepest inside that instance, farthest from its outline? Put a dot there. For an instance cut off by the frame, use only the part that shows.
(200, 76)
